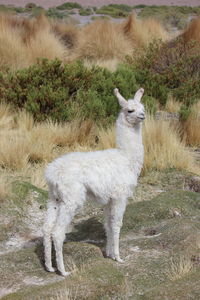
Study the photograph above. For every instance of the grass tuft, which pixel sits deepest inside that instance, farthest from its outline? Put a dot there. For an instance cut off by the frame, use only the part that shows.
(164, 148)
(180, 268)
(103, 40)
(191, 126)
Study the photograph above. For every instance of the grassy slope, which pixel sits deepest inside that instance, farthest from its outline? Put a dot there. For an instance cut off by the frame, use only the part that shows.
(151, 238)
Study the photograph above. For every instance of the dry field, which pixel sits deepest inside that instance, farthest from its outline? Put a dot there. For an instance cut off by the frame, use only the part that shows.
(96, 43)
(39, 143)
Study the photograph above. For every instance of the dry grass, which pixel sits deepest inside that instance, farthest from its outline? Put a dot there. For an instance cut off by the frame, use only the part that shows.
(24, 121)
(12, 50)
(107, 138)
(179, 268)
(63, 295)
(24, 142)
(142, 32)
(35, 174)
(109, 64)
(41, 42)
(102, 40)
(164, 148)
(14, 151)
(42, 142)
(191, 126)
(192, 32)
(68, 33)
(26, 146)
(30, 39)
(5, 186)
(6, 117)
(172, 106)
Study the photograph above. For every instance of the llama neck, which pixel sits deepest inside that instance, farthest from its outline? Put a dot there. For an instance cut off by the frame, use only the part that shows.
(129, 139)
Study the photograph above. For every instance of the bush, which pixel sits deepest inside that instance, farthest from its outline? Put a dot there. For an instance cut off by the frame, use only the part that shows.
(85, 11)
(30, 6)
(115, 10)
(50, 89)
(55, 13)
(69, 5)
(172, 67)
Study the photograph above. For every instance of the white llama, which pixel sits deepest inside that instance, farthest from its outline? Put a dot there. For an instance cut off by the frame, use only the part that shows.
(106, 176)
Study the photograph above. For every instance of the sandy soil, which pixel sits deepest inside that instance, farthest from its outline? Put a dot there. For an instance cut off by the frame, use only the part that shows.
(97, 3)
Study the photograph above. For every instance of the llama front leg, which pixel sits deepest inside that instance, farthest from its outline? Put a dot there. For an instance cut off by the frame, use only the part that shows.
(107, 225)
(116, 216)
(48, 226)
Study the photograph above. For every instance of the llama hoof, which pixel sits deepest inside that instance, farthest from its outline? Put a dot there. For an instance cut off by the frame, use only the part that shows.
(116, 91)
(50, 269)
(65, 273)
(119, 260)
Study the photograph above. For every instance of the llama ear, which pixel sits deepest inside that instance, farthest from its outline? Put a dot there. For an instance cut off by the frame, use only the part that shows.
(122, 101)
(138, 95)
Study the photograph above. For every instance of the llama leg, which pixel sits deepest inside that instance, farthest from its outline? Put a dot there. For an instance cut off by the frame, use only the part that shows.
(73, 197)
(58, 235)
(107, 226)
(116, 216)
(48, 226)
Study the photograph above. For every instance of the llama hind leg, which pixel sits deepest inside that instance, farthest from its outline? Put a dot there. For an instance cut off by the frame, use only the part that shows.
(58, 235)
(47, 230)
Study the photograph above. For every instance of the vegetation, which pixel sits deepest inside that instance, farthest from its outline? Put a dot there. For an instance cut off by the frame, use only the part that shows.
(39, 143)
(85, 11)
(56, 90)
(63, 92)
(171, 67)
(115, 10)
(174, 16)
(69, 6)
(158, 248)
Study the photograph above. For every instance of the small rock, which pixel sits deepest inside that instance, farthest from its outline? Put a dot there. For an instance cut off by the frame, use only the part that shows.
(192, 184)
(167, 116)
(135, 249)
(175, 212)
(150, 231)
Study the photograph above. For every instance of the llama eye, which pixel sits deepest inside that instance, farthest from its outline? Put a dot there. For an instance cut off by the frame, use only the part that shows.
(130, 111)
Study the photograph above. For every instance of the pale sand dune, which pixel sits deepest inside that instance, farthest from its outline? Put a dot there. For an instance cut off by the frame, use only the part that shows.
(97, 3)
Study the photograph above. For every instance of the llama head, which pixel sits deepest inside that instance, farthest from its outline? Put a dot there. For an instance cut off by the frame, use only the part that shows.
(132, 109)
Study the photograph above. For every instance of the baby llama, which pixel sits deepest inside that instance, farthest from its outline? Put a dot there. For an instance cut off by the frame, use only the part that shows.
(107, 176)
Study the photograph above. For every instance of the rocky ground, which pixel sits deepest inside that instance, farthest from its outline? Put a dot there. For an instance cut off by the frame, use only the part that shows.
(159, 242)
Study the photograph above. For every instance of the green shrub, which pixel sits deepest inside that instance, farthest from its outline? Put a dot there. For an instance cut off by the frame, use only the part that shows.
(55, 13)
(115, 10)
(50, 89)
(85, 11)
(171, 67)
(30, 6)
(69, 5)
(12, 9)
(140, 6)
(184, 112)
(123, 7)
(150, 104)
